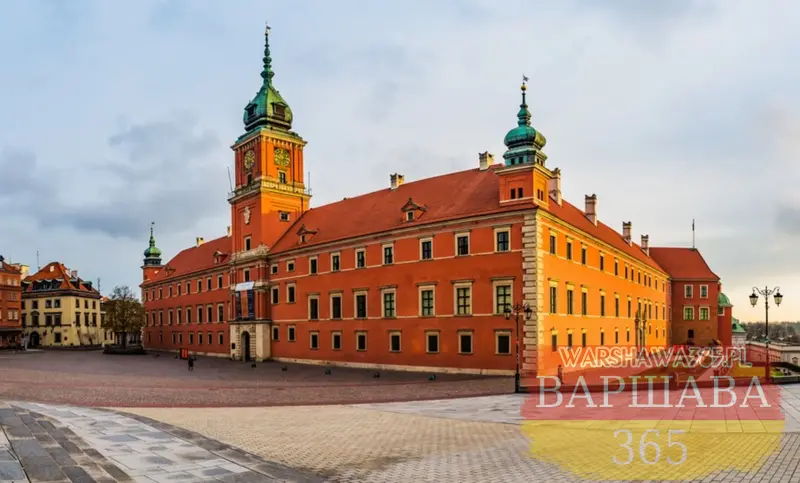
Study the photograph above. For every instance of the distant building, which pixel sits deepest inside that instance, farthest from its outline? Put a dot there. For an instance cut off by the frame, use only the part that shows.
(59, 309)
(738, 334)
(10, 304)
(694, 298)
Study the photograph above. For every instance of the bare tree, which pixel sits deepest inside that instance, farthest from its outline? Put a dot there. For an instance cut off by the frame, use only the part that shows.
(124, 314)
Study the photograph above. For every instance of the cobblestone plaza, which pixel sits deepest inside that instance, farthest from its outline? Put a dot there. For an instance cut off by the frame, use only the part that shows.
(342, 439)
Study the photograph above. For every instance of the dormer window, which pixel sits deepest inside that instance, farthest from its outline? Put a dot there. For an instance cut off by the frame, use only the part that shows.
(305, 234)
(251, 111)
(412, 210)
(279, 110)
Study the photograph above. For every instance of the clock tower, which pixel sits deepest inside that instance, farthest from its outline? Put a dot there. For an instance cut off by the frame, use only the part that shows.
(270, 191)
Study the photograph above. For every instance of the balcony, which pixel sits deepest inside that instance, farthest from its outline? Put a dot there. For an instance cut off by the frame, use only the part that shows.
(270, 183)
(257, 252)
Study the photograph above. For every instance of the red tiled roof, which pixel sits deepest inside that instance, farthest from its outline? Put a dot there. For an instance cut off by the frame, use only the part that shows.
(577, 218)
(56, 271)
(683, 263)
(10, 268)
(447, 197)
(194, 259)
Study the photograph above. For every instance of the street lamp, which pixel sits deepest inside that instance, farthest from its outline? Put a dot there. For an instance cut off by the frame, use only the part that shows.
(766, 292)
(518, 310)
(639, 321)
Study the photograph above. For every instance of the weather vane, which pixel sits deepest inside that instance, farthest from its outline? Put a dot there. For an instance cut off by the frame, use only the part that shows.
(267, 26)
(524, 79)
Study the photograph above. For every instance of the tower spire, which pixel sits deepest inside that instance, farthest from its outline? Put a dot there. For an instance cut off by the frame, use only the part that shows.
(524, 115)
(267, 73)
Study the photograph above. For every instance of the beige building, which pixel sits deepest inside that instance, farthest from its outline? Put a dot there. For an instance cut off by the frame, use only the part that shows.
(59, 309)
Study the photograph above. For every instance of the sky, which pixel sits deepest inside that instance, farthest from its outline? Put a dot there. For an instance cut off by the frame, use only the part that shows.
(116, 114)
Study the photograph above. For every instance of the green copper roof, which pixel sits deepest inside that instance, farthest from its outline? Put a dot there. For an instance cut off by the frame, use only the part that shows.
(267, 108)
(723, 301)
(523, 141)
(737, 327)
(152, 255)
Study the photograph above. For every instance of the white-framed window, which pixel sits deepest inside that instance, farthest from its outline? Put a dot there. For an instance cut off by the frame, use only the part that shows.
(313, 265)
(247, 243)
(432, 342)
(274, 268)
(336, 340)
(360, 304)
(465, 342)
(395, 340)
(427, 300)
(210, 313)
(290, 265)
(313, 342)
(426, 249)
(291, 333)
(502, 342)
(276, 333)
(688, 291)
(284, 215)
(703, 291)
(688, 313)
(336, 262)
(313, 307)
(462, 244)
(721, 310)
(275, 294)
(220, 314)
(462, 299)
(361, 258)
(705, 313)
(199, 314)
(389, 303)
(388, 254)
(502, 291)
(361, 341)
(502, 239)
(291, 295)
(336, 306)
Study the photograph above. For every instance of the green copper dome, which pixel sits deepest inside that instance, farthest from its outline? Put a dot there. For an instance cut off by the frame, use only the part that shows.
(723, 300)
(737, 327)
(268, 108)
(523, 142)
(152, 255)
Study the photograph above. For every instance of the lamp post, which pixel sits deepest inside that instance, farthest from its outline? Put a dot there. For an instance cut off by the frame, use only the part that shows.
(766, 292)
(640, 321)
(518, 310)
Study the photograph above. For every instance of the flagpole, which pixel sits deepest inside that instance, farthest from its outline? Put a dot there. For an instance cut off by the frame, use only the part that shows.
(693, 247)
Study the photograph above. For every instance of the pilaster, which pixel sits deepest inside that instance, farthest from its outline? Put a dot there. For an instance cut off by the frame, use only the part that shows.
(532, 290)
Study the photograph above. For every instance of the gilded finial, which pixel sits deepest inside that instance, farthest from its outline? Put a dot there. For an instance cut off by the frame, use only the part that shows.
(524, 83)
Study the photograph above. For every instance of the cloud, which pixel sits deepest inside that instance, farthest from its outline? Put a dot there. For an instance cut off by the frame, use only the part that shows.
(164, 171)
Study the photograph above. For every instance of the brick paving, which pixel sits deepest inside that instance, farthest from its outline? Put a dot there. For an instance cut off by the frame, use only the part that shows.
(59, 444)
(95, 379)
(462, 440)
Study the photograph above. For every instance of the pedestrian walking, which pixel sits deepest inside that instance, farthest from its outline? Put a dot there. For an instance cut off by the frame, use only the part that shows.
(191, 363)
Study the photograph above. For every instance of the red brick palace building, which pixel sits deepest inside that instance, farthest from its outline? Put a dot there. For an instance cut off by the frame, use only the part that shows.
(414, 276)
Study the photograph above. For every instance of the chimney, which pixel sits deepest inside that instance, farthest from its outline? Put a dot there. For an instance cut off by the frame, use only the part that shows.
(554, 186)
(646, 244)
(200, 241)
(626, 231)
(591, 208)
(229, 231)
(396, 180)
(485, 160)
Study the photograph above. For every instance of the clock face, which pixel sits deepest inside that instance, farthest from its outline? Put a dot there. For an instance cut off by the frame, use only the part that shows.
(249, 159)
(282, 157)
